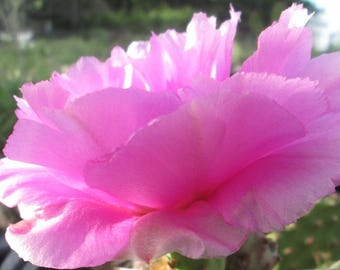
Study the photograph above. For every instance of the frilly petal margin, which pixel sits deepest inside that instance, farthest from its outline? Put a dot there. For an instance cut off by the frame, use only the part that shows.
(196, 232)
(300, 96)
(168, 61)
(87, 75)
(71, 235)
(171, 60)
(281, 44)
(325, 70)
(37, 97)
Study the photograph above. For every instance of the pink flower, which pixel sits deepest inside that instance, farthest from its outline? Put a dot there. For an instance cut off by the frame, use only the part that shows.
(159, 150)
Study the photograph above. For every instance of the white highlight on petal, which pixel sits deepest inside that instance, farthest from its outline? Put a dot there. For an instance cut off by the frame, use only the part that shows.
(299, 18)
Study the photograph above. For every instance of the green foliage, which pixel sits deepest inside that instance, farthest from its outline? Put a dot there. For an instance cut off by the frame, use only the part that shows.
(139, 20)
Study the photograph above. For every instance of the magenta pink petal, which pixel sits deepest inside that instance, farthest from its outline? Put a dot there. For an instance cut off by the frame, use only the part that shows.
(284, 47)
(196, 232)
(185, 156)
(73, 234)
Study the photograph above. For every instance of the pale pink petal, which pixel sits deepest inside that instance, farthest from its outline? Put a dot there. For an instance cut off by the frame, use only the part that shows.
(322, 144)
(71, 235)
(148, 60)
(85, 76)
(301, 97)
(66, 149)
(209, 50)
(33, 186)
(122, 74)
(222, 62)
(40, 96)
(89, 127)
(201, 86)
(196, 232)
(187, 154)
(295, 16)
(325, 70)
(284, 47)
(24, 110)
(171, 60)
(112, 116)
(44, 94)
(274, 191)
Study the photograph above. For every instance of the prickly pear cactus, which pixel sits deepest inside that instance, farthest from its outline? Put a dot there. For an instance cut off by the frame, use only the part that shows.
(258, 253)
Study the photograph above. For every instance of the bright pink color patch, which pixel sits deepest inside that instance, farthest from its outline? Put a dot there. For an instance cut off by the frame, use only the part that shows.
(160, 149)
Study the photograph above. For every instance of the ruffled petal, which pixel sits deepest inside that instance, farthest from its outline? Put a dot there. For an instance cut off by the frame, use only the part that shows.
(71, 235)
(88, 128)
(324, 70)
(273, 192)
(38, 97)
(187, 154)
(33, 186)
(112, 116)
(278, 189)
(284, 47)
(39, 144)
(301, 97)
(196, 232)
(171, 60)
(87, 75)
(122, 74)
(321, 144)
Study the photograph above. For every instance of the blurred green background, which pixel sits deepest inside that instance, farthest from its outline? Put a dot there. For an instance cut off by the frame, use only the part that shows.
(40, 36)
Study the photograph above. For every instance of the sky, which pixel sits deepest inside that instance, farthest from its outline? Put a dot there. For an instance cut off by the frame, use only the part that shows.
(326, 24)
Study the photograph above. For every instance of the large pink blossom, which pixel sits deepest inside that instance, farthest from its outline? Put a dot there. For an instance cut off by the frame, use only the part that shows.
(159, 149)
